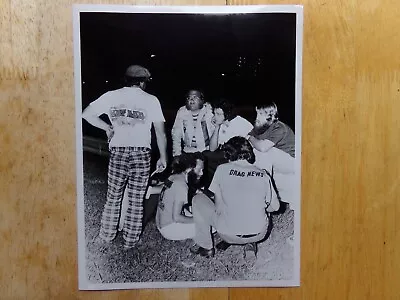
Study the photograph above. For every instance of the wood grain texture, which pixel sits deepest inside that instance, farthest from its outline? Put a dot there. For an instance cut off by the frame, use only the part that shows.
(350, 152)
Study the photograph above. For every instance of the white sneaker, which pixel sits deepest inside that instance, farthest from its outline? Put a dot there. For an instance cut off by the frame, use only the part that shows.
(187, 212)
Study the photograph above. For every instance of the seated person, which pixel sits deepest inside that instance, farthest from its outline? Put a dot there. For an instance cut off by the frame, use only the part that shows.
(187, 170)
(192, 126)
(274, 137)
(237, 217)
(227, 125)
(274, 147)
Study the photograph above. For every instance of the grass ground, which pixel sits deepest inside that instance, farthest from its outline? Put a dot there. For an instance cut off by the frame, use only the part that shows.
(156, 259)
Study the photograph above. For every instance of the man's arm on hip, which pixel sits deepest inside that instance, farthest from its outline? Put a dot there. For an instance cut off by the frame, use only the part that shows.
(92, 118)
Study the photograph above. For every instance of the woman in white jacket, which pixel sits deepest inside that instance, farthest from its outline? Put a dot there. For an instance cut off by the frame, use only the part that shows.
(193, 126)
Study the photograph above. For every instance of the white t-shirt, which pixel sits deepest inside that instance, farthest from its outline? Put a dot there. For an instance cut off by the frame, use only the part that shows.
(131, 112)
(238, 126)
(245, 189)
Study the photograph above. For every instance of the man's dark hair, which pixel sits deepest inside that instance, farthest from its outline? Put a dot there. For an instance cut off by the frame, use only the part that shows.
(227, 107)
(200, 94)
(238, 148)
(198, 91)
(185, 161)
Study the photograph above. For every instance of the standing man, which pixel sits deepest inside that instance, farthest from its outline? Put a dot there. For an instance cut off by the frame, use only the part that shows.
(193, 126)
(132, 112)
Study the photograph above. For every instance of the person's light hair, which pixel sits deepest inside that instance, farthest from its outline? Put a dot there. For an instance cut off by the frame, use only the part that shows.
(270, 107)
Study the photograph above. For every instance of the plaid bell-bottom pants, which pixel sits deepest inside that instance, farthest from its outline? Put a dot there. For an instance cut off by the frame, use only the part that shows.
(129, 168)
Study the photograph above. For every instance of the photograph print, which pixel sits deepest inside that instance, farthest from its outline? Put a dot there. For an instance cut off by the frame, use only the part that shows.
(188, 137)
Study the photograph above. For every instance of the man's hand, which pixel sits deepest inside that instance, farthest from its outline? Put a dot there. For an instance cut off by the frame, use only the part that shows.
(214, 121)
(161, 165)
(162, 146)
(109, 132)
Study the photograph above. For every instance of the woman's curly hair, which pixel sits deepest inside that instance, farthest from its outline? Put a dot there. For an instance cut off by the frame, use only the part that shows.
(227, 107)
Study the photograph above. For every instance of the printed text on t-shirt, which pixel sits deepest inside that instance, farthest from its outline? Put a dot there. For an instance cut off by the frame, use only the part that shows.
(124, 116)
(233, 172)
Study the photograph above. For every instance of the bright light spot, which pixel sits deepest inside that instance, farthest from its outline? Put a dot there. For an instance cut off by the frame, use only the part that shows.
(106, 81)
(83, 82)
(153, 55)
(223, 74)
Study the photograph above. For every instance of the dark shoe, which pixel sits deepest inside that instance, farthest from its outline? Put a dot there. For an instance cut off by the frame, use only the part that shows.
(223, 246)
(187, 210)
(250, 247)
(195, 249)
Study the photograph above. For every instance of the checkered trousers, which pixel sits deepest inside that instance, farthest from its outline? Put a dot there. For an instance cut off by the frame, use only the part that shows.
(128, 167)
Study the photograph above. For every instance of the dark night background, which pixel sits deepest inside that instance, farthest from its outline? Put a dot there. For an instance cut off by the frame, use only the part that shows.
(247, 58)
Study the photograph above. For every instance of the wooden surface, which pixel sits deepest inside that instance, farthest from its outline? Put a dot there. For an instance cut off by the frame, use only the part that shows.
(351, 146)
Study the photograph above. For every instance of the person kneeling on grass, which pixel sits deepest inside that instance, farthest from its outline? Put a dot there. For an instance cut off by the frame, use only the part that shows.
(244, 197)
(172, 223)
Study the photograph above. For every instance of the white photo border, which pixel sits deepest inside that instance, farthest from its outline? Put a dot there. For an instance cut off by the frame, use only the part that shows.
(83, 283)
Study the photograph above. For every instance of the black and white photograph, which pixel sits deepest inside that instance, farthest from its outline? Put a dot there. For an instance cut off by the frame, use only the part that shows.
(188, 144)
